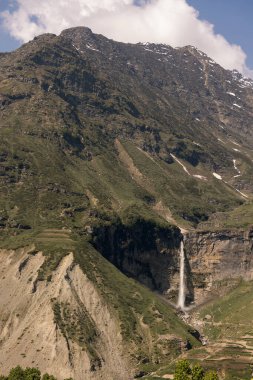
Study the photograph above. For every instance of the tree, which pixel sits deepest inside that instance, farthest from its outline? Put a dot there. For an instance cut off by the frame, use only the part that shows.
(19, 373)
(16, 373)
(182, 370)
(46, 376)
(211, 376)
(197, 372)
(32, 374)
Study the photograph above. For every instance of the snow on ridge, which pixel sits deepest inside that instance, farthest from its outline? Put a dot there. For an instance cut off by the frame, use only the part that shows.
(162, 50)
(246, 81)
(201, 53)
(243, 81)
(149, 50)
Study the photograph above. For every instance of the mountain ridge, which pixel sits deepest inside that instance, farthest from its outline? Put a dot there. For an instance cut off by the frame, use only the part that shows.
(108, 149)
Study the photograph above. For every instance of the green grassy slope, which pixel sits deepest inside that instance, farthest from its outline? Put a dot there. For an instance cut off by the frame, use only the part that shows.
(227, 324)
(62, 112)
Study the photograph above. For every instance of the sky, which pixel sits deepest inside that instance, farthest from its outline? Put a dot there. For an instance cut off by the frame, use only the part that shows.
(232, 19)
(221, 28)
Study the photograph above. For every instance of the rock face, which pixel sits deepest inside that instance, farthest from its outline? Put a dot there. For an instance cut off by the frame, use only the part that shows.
(147, 253)
(217, 259)
(214, 261)
(36, 320)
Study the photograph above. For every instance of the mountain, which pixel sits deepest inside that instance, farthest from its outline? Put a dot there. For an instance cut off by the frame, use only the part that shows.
(107, 150)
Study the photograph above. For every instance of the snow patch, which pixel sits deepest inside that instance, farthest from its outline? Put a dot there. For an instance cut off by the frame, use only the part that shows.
(200, 177)
(149, 50)
(230, 93)
(237, 105)
(244, 195)
(75, 47)
(92, 48)
(216, 175)
(234, 142)
(180, 163)
(186, 170)
(246, 82)
(236, 168)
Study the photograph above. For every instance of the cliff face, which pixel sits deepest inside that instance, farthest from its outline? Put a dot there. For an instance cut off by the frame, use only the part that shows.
(217, 259)
(214, 261)
(145, 252)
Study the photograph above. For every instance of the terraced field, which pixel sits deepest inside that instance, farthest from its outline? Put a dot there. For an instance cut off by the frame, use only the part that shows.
(54, 235)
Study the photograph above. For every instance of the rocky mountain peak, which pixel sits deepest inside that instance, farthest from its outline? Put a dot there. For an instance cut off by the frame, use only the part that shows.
(80, 32)
(82, 38)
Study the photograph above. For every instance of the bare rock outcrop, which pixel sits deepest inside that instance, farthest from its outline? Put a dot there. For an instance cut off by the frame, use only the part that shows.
(218, 259)
(36, 321)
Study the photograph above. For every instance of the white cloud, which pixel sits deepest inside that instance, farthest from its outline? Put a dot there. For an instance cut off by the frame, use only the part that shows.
(168, 21)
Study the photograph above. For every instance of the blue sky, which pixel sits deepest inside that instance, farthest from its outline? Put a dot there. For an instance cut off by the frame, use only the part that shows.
(232, 19)
(169, 21)
(6, 42)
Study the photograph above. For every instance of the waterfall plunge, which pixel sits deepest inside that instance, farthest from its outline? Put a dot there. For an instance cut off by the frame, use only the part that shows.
(181, 294)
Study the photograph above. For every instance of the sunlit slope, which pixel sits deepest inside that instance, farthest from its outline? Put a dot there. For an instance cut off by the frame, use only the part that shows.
(114, 126)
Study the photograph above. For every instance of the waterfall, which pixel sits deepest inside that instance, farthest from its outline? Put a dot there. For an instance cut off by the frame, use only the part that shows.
(181, 294)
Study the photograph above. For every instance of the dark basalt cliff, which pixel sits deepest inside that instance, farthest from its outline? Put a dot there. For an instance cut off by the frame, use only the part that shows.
(144, 251)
